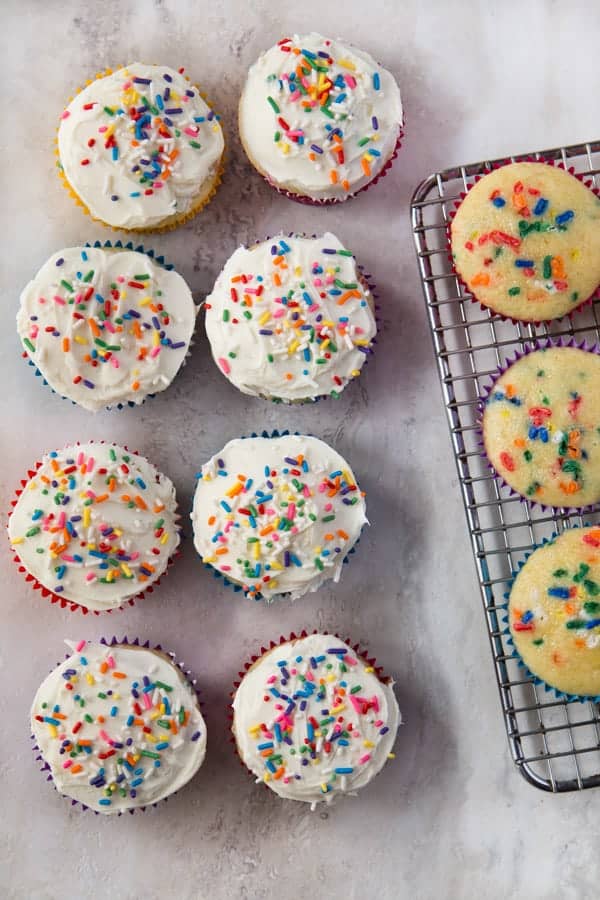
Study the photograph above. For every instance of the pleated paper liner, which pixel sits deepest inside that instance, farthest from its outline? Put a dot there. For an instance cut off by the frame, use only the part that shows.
(488, 388)
(173, 222)
(332, 201)
(127, 404)
(62, 601)
(361, 652)
(584, 179)
(286, 595)
(190, 679)
(535, 679)
(367, 281)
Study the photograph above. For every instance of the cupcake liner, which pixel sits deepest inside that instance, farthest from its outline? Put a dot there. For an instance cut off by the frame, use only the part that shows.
(64, 602)
(152, 229)
(535, 679)
(357, 648)
(160, 261)
(583, 178)
(540, 344)
(191, 680)
(237, 588)
(331, 201)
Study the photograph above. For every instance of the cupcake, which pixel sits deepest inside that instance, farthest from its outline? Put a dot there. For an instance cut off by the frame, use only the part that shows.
(319, 119)
(277, 515)
(95, 525)
(526, 241)
(291, 318)
(106, 326)
(118, 726)
(313, 719)
(140, 149)
(554, 613)
(541, 426)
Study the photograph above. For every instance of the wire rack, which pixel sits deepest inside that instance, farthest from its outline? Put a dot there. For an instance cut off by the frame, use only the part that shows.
(555, 745)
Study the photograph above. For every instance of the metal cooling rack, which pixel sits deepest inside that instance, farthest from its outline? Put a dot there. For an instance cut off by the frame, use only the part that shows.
(555, 745)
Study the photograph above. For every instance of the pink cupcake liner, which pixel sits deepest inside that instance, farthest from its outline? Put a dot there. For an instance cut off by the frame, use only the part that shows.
(64, 602)
(487, 390)
(469, 295)
(190, 679)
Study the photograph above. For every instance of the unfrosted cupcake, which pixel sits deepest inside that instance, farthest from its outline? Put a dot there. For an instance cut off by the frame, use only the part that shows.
(140, 149)
(95, 525)
(319, 119)
(526, 241)
(554, 612)
(106, 326)
(291, 318)
(541, 426)
(277, 515)
(314, 720)
(118, 726)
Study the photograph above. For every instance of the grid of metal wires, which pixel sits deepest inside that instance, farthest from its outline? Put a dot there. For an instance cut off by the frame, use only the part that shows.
(555, 745)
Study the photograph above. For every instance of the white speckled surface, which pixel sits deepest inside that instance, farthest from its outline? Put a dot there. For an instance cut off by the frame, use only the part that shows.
(450, 818)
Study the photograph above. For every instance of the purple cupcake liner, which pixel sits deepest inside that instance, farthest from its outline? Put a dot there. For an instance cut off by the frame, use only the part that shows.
(160, 261)
(535, 679)
(190, 679)
(532, 347)
(237, 588)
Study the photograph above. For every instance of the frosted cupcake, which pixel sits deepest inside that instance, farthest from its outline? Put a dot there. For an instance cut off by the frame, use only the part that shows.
(313, 720)
(554, 612)
(118, 726)
(140, 149)
(526, 241)
(106, 326)
(291, 318)
(277, 515)
(319, 119)
(95, 525)
(541, 426)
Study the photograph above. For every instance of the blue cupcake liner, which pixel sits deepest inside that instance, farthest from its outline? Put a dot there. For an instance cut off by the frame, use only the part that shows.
(237, 588)
(191, 680)
(507, 634)
(111, 245)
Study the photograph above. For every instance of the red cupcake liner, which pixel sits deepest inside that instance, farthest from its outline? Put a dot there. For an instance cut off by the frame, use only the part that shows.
(64, 602)
(191, 680)
(357, 648)
(469, 295)
(331, 201)
(532, 347)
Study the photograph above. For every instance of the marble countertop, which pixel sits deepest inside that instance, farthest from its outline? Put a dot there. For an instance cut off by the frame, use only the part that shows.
(450, 817)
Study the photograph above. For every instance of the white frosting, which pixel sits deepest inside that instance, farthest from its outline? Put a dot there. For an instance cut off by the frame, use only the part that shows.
(96, 524)
(90, 316)
(293, 324)
(355, 719)
(363, 110)
(156, 131)
(85, 737)
(287, 531)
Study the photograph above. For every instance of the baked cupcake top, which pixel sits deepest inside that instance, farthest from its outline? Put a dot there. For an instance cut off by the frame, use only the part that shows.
(526, 241)
(106, 326)
(313, 721)
(138, 145)
(554, 612)
(291, 318)
(95, 524)
(318, 117)
(119, 726)
(277, 515)
(541, 426)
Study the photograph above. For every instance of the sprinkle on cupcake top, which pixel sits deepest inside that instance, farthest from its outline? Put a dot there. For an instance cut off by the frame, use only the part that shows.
(318, 117)
(526, 241)
(290, 318)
